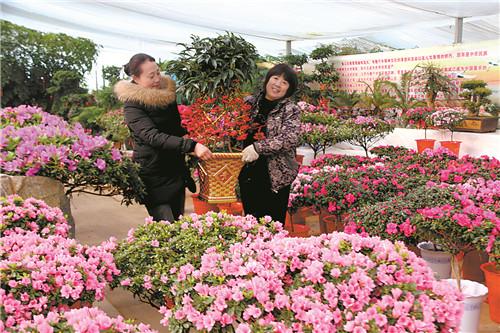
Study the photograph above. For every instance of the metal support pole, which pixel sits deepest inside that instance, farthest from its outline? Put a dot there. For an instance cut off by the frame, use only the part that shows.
(288, 47)
(459, 29)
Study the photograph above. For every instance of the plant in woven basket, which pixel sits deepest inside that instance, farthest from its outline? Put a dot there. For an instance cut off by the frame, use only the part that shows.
(151, 257)
(31, 214)
(332, 283)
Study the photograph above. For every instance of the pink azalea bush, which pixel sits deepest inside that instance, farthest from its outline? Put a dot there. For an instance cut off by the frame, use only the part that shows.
(151, 257)
(31, 214)
(84, 320)
(332, 283)
(44, 274)
(448, 118)
(36, 143)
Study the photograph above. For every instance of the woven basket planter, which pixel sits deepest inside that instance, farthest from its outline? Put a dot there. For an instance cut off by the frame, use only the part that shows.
(218, 177)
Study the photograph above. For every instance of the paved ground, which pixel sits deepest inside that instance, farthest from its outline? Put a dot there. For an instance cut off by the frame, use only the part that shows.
(98, 218)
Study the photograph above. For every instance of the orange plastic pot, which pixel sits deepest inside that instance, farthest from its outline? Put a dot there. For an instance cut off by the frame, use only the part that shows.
(201, 206)
(299, 158)
(492, 277)
(294, 229)
(423, 144)
(235, 208)
(333, 223)
(453, 146)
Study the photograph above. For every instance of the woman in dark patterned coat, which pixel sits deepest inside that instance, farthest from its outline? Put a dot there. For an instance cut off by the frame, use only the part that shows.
(270, 165)
(159, 144)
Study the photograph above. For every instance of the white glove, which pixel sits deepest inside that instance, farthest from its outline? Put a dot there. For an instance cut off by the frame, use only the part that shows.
(249, 154)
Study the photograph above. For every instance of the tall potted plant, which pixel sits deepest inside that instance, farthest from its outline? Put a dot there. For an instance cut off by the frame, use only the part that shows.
(433, 81)
(420, 118)
(211, 72)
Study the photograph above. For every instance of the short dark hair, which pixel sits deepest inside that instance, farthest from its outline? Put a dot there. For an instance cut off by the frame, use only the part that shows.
(289, 75)
(133, 67)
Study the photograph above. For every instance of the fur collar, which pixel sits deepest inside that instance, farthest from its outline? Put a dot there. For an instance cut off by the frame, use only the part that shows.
(127, 91)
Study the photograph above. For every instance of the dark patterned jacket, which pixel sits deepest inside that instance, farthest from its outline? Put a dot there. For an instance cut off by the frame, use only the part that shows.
(282, 138)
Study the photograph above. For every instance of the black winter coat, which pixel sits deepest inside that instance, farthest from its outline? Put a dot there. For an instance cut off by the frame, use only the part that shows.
(159, 146)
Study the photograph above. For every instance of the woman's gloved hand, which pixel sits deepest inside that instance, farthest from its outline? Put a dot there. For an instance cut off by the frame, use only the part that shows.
(249, 154)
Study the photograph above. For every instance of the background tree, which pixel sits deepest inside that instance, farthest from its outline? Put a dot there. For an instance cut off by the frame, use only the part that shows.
(64, 83)
(324, 72)
(30, 59)
(111, 75)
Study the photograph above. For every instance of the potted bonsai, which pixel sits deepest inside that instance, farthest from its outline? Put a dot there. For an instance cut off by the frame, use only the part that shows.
(482, 116)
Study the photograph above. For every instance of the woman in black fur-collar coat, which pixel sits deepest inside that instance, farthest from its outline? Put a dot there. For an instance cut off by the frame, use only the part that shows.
(159, 139)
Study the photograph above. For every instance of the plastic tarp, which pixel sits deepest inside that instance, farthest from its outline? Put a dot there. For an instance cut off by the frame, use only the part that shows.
(126, 27)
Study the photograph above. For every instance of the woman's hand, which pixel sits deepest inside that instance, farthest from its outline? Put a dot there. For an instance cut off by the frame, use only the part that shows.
(202, 152)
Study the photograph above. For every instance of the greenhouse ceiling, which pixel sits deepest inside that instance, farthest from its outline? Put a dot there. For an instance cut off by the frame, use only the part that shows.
(157, 26)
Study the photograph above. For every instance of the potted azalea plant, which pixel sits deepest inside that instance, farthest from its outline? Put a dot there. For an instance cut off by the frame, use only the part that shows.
(30, 214)
(52, 273)
(152, 256)
(448, 118)
(77, 320)
(312, 285)
(420, 118)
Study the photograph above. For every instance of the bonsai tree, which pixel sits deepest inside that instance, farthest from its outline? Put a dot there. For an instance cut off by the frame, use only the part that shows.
(433, 81)
(324, 72)
(210, 67)
(475, 94)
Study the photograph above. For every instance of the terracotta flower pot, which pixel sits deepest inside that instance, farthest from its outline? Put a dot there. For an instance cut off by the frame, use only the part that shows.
(201, 206)
(492, 277)
(423, 144)
(169, 302)
(299, 158)
(294, 229)
(453, 146)
(333, 223)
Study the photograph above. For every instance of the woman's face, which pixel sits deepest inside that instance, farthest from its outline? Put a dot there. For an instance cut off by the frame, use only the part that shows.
(150, 75)
(276, 87)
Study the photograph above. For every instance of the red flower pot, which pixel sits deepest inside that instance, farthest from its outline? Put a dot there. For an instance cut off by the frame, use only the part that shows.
(453, 146)
(299, 158)
(333, 223)
(492, 277)
(294, 229)
(201, 206)
(423, 144)
(235, 208)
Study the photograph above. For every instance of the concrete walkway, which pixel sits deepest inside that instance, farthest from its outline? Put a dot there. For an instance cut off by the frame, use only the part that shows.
(99, 218)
